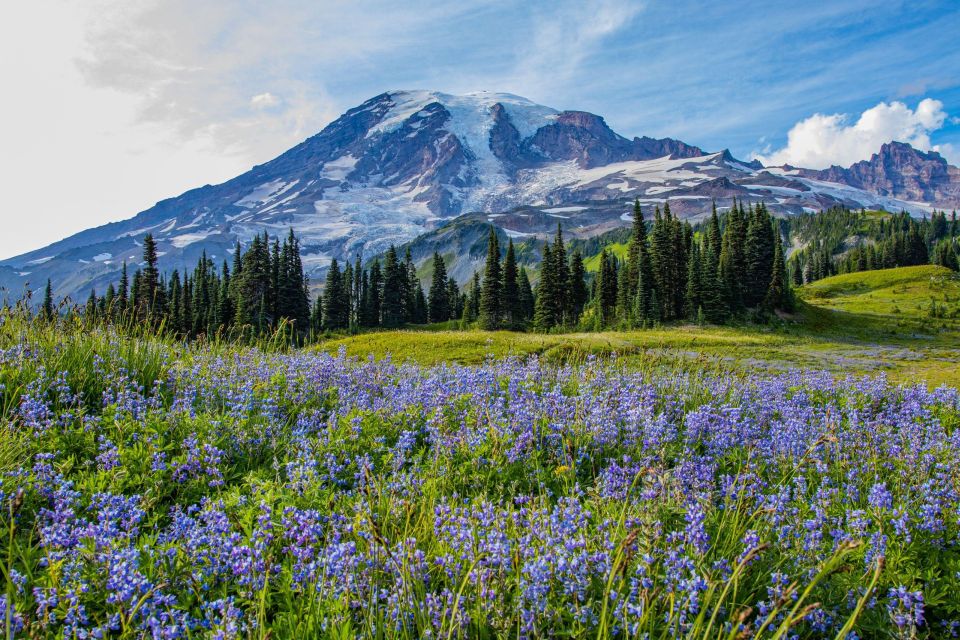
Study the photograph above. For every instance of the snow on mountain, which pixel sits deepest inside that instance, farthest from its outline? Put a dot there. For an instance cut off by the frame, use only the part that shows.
(405, 163)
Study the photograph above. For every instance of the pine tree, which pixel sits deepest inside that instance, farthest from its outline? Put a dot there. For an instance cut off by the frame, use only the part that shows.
(375, 299)
(693, 298)
(510, 310)
(419, 306)
(150, 283)
(456, 300)
(607, 288)
(578, 285)
(316, 316)
(490, 293)
(759, 251)
(123, 292)
(525, 296)
(732, 260)
(47, 308)
(439, 301)
(395, 285)
(225, 308)
(778, 294)
(545, 305)
(335, 310)
(471, 307)
(563, 310)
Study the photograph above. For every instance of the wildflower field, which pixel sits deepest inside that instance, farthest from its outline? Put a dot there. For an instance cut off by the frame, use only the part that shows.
(151, 489)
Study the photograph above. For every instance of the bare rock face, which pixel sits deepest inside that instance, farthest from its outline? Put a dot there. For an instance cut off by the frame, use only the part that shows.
(407, 163)
(900, 171)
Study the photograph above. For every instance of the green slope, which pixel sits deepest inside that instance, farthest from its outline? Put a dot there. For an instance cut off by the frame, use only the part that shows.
(861, 323)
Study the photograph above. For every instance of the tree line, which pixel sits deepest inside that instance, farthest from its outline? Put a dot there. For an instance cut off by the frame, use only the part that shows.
(841, 240)
(264, 290)
(724, 269)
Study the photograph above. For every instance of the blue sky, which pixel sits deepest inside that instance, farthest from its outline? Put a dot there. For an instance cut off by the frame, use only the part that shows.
(120, 103)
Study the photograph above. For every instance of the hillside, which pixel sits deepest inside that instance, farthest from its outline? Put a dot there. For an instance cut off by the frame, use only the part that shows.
(905, 292)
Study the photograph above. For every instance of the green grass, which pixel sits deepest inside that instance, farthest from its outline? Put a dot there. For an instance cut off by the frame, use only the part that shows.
(619, 249)
(845, 324)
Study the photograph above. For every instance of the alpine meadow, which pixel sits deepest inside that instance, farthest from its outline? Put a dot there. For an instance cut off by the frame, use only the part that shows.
(457, 364)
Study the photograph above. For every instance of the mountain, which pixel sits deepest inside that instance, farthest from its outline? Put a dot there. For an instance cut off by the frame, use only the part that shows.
(405, 163)
(900, 171)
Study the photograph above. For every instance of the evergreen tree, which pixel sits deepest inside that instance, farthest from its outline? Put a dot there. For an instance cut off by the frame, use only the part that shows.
(510, 310)
(336, 313)
(545, 304)
(123, 291)
(439, 302)
(778, 293)
(563, 310)
(693, 298)
(578, 285)
(419, 306)
(490, 293)
(732, 260)
(375, 299)
(395, 285)
(47, 308)
(759, 252)
(150, 283)
(471, 308)
(225, 308)
(525, 296)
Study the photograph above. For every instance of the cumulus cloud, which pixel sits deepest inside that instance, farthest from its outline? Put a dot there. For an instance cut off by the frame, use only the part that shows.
(823, 140)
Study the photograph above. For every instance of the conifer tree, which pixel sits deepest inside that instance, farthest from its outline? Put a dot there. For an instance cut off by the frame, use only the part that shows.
(525, 296)
(47, 308)
(490, 293)
(578, 285)
(150, 282)
(693, 298)
(375, 297)
(395, 285)
(455, 299)
(123, 290)
(510, 310)
(439, 301)
(335, 310)
(561, 280)
(545, 305)
(778, 292)
(471, 307)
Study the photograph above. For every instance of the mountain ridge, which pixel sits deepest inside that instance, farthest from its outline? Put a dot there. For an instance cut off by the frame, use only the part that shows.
(404, 163)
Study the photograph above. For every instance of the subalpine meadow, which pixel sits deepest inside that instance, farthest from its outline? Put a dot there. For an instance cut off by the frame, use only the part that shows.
(748, 481)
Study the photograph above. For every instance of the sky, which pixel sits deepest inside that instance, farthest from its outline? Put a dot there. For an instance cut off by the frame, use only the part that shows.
(112, 105)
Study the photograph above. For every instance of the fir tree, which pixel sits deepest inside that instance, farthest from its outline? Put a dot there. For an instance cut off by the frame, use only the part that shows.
(778, 293)
(47, 308)
(336, 314)
(490, 293)
(578, 285)
(545, 305)
(693, 298)
(510, 310)
(375, 298)
(525, 296)
(395, 285)
(439, 301)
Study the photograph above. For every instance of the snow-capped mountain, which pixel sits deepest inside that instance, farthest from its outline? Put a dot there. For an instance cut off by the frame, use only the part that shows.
(406, 162)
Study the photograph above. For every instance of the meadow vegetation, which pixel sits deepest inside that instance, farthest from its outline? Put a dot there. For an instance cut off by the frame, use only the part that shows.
(681, 481)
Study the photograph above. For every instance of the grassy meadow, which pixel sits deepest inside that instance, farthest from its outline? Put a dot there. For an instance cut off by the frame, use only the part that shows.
(869, 322)
(707, 483)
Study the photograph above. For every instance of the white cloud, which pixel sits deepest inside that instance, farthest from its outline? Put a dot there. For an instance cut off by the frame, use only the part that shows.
(564, 36)
(823, 140)
(264, 101)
